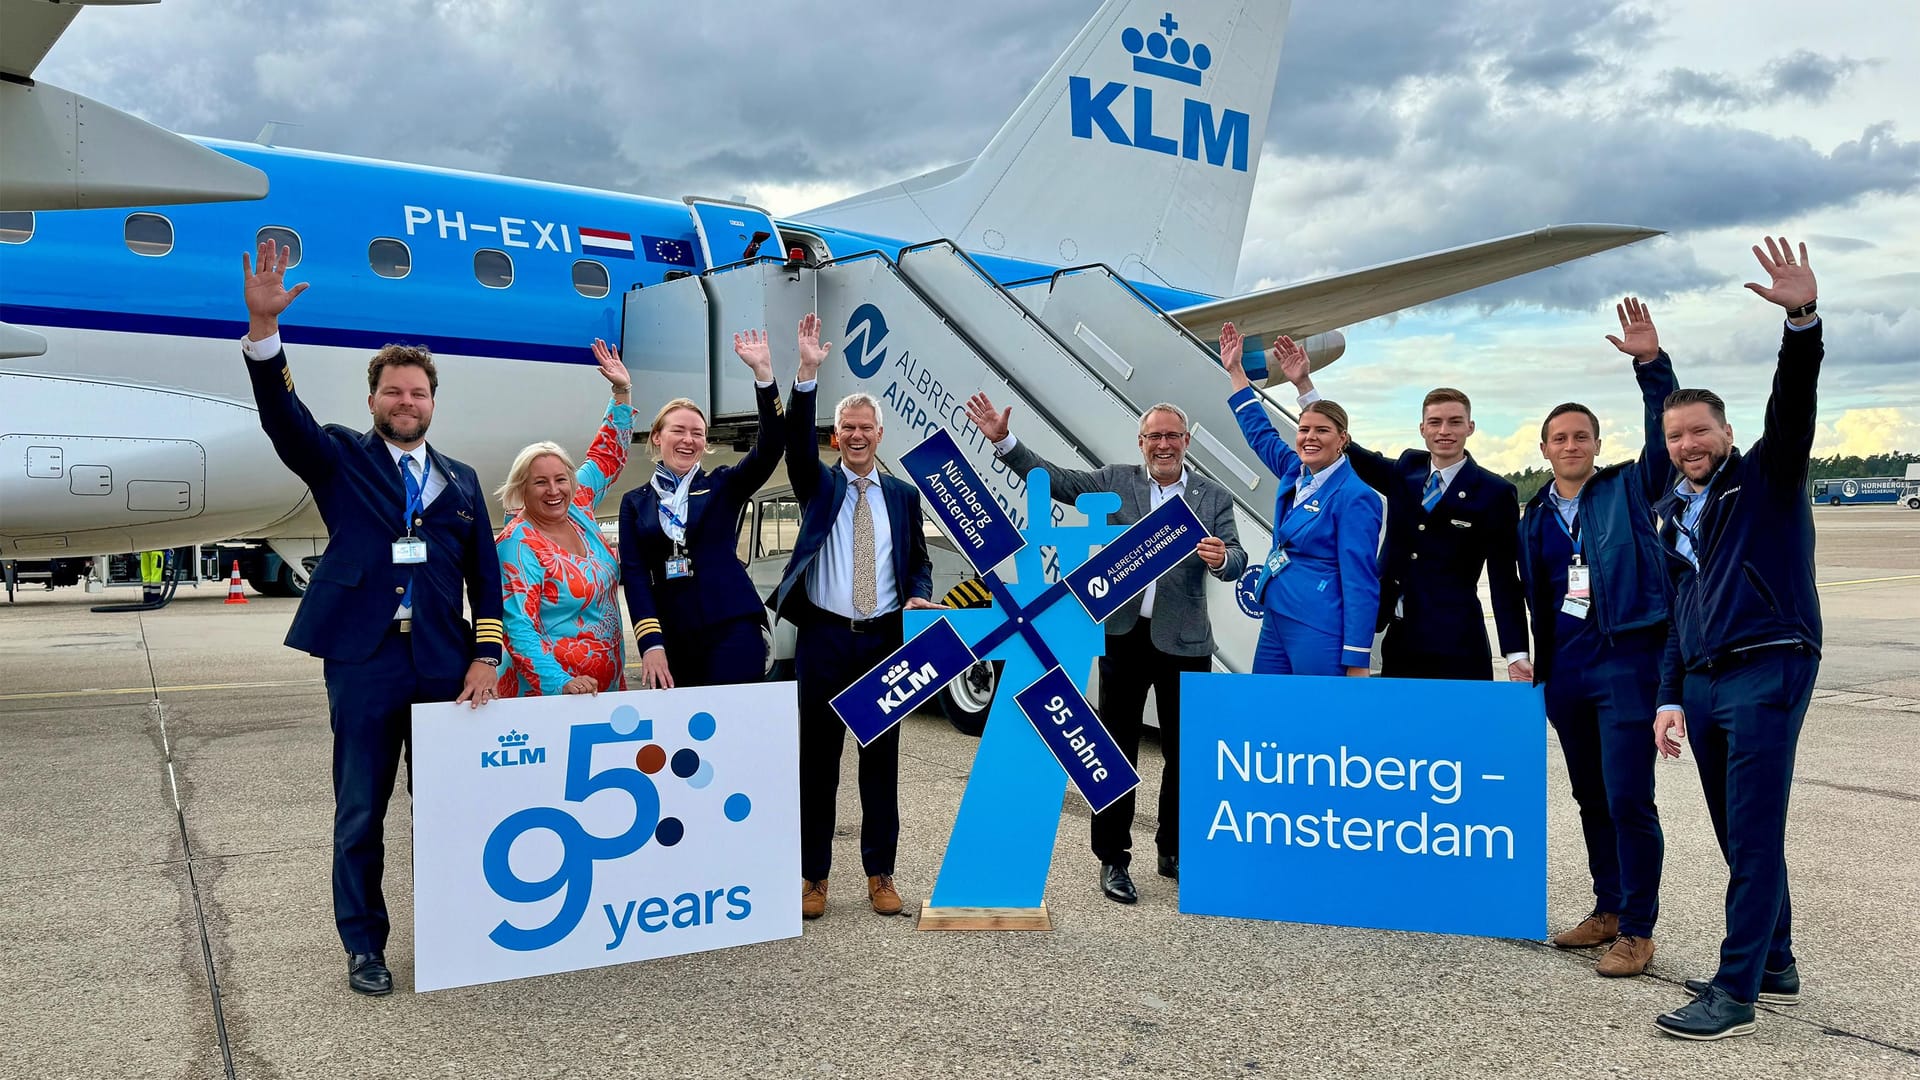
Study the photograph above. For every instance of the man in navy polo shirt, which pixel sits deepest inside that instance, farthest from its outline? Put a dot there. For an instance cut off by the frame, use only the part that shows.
(1745, 646)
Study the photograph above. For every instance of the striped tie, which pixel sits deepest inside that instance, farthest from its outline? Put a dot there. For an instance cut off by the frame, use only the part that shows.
(1431, 498)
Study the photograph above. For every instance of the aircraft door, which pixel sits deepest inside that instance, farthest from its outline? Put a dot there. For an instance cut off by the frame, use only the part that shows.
(727, 229)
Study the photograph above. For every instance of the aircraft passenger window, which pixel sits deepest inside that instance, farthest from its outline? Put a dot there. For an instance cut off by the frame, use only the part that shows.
(494, 268)
(590, 279)
(390, 258)
(283, 236)
(16, 226)
(149, 234)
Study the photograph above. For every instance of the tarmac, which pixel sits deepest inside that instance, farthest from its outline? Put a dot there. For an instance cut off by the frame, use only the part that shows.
(165, 815)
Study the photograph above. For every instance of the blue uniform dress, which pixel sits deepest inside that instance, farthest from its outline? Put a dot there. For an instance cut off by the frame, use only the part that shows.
(1320, 586)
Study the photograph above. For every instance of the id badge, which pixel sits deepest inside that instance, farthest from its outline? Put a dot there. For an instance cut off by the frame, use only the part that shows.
(409, 551)
(1577, 582)
(1575, 606)
(1276, 561)
(680, 567)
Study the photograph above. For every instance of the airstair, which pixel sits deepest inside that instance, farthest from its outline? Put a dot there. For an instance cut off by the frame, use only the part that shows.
(1080, 355)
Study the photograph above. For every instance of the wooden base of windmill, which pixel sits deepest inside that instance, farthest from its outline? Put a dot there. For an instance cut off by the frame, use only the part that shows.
(985, 918)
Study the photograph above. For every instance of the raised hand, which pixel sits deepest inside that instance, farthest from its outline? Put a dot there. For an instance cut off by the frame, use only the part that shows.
(1638, 338)
(991, 424)
(1793, 285)
(1294, 363)
(751, 346)
(812, 353)
(608, 358)
(264, 288)
(1230, 349)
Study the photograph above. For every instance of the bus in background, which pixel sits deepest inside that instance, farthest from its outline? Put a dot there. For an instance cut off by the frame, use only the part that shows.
(1867, 490)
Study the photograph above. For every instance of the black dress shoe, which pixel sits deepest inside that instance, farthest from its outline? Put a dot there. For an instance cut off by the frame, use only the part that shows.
(1712, 1015)
(367, 974)
(1776, 987)
(1115, 882)
(1170, 866)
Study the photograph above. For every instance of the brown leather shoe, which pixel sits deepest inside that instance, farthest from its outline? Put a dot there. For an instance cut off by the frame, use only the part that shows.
(880, 890)
(1629, 956)
(813, 898)
(1596, 929)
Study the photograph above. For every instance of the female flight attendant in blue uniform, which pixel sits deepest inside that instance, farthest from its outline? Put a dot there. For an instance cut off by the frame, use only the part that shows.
(1320, 586)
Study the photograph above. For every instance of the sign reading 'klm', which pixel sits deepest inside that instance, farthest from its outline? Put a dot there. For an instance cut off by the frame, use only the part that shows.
(1220, 137)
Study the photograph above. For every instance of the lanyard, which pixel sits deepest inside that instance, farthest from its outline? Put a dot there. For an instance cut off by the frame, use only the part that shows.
(1572, 531)
(416, 489)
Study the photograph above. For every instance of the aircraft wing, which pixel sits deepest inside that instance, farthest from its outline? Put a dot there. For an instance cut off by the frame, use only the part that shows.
(1322, 304)
(32, 28)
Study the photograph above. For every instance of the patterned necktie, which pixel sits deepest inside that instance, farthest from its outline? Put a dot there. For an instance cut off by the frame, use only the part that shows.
(866, 588)
(1431, 498)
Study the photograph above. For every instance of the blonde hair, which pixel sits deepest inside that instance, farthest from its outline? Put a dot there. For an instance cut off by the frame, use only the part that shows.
(660, 421)
(857, 400)
(1329, 410)
(509, 493)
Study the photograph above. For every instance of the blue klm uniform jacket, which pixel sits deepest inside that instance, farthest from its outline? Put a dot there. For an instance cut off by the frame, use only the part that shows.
(355, 590)
(1628, 575)
(1332, 577)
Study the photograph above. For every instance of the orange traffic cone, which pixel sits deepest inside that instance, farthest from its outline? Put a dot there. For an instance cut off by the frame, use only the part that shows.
(234, 593)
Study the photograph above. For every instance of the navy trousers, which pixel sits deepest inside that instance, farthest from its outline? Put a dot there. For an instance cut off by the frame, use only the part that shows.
(1603, 712)
(369, 705)
(1744, 717)
(1133, 664)
(827, 659)
(731, 652)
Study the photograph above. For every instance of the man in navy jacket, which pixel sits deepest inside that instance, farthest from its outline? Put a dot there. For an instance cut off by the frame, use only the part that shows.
(1745, 646)
(407, 532)
(1447, 518)
(860, 559)
(1596, 579)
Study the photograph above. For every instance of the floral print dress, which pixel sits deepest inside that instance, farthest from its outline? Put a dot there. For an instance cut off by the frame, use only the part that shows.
(563, 610)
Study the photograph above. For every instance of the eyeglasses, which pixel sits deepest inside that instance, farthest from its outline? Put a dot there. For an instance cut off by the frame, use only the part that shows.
(1163, 436)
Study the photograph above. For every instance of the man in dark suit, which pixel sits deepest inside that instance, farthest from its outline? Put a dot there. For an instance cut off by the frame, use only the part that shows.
(1743, 647)
(1447, 518)
(860, 559)
(408, 530)
(1157, 635)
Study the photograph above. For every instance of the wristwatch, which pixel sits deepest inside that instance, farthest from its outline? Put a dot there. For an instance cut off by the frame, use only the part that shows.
(1801, 312)
(490, 661)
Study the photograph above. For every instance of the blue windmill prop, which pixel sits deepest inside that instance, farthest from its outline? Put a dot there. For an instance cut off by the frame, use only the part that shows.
(1036, 739)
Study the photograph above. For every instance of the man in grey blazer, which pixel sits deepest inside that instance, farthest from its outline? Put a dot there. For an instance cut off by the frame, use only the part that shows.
(1155, 636)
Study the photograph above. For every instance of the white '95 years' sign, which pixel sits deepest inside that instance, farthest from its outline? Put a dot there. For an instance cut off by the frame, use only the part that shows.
(567, 832)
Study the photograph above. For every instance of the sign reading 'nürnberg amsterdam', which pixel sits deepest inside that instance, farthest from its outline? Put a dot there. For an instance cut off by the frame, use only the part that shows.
(1123, 569)
(905, 680)
(1364, 802)
(962, 502)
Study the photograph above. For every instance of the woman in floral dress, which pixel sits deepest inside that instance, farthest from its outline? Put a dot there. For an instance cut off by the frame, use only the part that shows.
(562, 584)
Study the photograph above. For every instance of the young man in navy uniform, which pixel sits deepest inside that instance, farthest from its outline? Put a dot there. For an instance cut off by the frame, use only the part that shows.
(1447, 518)
(1745, 646)
(1595, 577)
(860, 559)
(407, 529)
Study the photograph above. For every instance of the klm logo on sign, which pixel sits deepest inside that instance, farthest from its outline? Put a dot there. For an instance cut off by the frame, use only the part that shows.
(902, 682)
(1222, 137)
(513, 751)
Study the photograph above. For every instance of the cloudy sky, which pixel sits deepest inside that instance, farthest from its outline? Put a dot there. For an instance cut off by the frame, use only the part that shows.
(1398, 127)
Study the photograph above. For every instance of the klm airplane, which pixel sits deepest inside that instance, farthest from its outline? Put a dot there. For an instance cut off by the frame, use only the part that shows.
(1079, 267)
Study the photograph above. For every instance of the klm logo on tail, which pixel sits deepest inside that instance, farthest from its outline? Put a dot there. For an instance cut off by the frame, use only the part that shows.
(1221, 137)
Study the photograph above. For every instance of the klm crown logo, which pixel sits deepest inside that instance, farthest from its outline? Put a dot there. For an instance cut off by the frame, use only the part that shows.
(1219, 137)
(1167, 59)
(513, 751)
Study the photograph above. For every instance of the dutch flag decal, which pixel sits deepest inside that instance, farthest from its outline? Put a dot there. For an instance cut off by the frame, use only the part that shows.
(616, 245)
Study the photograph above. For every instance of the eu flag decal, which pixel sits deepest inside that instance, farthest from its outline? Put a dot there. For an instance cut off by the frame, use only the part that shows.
(663, 249)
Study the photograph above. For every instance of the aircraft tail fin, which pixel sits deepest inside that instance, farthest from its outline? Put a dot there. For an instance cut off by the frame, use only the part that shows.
(1137, 149)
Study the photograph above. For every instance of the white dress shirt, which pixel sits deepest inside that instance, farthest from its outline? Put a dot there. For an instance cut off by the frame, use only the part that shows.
(1156, 497)
(830, 578)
